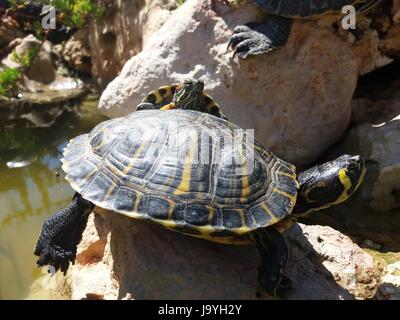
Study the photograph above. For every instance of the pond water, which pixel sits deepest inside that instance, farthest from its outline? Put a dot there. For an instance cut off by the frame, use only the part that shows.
(32, 187)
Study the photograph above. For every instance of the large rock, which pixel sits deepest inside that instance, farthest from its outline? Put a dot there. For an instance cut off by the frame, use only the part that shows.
(374, 211)
(297, 99)
(376, 41)
(77, 51)
(121, 33)
(39, 109)
(41, 68)
(9, 30)
(122, 258)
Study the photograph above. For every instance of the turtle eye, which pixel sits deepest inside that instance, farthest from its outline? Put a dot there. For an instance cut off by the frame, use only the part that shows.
(352, 166)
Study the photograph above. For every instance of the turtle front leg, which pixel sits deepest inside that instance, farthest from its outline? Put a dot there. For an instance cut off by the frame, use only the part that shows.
(257, 38)
(274, 254)
(61, 233)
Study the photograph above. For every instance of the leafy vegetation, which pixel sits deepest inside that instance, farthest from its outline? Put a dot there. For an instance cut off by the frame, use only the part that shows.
(9, 82)
(72, 13)
(180, 2)
(10, 77)
(27, 57)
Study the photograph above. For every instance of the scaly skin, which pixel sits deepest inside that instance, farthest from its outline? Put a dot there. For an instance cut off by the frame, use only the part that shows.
(61, 233)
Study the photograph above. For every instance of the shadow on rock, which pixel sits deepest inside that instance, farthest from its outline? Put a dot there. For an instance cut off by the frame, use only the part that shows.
(122, 258)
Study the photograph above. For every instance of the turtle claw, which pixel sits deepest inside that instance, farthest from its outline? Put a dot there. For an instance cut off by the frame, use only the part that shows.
(259, 38)
(56, 257)
(235, 38)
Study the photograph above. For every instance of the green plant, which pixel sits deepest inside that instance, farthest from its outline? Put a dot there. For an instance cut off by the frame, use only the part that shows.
(26, 59)
(9, 82)
(180, 2)
(75, 13)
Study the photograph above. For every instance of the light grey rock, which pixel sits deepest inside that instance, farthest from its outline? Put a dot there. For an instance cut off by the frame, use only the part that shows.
(123, 258)
(42, 68)
(38, 109)
(76, 51)
(297, 98)
(122, 32)
(9, 31)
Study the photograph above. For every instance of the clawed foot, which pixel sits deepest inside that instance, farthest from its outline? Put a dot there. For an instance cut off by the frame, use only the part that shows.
(246, 40)
(61, 233)
(259, 38)
(57, 257)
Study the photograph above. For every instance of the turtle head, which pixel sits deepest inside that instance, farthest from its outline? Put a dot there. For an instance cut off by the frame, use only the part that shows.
(329, 183)
(189, 95)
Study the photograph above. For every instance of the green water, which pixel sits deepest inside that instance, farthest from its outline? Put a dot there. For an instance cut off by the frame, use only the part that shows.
(30, 194)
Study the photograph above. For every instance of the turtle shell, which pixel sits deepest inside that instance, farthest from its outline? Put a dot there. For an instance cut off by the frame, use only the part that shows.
(302, 8)
(189, 171)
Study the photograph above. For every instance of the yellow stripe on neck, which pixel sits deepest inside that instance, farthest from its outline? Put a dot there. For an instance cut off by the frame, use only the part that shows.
(346, 183)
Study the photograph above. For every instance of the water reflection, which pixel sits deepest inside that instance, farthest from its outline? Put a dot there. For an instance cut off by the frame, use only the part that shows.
(30, 194)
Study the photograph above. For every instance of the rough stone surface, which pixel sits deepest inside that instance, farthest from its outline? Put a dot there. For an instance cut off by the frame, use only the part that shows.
(376, 39)
(39, 109)
(297, 99)
(373, 212)
(369, 56)
(121, 33)
(9, 30)
(122, 258)
(390, 287)
(77, 51)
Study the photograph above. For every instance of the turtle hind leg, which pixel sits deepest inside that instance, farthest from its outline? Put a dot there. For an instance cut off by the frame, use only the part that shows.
(257, 38)
(61, 233)
(274, 254)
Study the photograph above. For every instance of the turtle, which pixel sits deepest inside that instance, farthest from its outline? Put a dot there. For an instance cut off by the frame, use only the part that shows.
(180, 96)
(197, 174)
(255, 38)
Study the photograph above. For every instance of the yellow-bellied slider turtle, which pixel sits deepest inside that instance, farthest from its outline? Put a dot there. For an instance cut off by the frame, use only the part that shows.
(256, 38)
(187, 95)
(197, 174)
